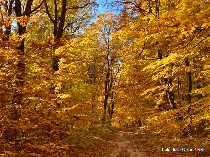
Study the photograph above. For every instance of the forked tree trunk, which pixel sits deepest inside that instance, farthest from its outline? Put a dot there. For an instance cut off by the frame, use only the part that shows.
(20, 70)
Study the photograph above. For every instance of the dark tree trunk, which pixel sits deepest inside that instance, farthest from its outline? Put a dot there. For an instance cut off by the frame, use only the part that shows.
(20, 71)
(157, 6)
(187, 63)
(58, 30)
(58, 24)
(168, 82)
(150, 8)
(62, 21)
(9, 13)
(18, 94)
(112, 105)
(106, 88)
(58, 27)
(179, 86)
(189, 98)
(56, 19)
(169, 93)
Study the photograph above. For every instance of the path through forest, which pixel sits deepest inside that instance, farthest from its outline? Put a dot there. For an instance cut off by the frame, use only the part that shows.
(125, 146)
(134, 142)
(118, 144)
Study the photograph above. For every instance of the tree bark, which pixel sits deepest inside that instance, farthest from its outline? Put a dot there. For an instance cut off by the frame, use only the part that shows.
(168, 83)
(18, 94)
(20, 71)
(188, 72)
(157, 7)
(112, 106)
(106, 95)
(169, 93)
(9, 13)
(62, 21)
(149, 6)
(189, 98)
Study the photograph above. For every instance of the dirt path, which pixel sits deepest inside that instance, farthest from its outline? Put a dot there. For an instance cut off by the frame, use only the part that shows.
(125, 147)
(130, 143)
(118, 144)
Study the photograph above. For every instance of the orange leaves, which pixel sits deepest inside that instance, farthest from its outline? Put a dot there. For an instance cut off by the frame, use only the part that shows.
(23, 20)
(8, 21)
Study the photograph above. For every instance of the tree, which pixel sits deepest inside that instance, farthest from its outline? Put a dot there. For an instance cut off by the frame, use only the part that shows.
(163, 46)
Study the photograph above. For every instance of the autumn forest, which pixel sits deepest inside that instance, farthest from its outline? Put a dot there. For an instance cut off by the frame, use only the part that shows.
(71, 77)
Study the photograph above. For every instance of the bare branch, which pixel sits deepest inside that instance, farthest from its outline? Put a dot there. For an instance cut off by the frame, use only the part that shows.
(142, 50)
(202, 40)
(48, 13)
(80, 7)
(35, 9)
(142, 11)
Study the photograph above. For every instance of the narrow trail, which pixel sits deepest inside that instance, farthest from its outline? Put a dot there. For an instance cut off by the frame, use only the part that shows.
(122, 143)
(129, 143)
(125, 147)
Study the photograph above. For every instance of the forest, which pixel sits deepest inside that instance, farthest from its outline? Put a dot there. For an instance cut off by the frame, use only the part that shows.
(71, 77)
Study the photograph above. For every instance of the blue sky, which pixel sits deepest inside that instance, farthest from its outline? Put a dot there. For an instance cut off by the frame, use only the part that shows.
(101, 9)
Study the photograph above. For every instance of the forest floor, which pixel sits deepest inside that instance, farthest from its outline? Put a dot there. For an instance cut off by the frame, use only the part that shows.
(135, 143)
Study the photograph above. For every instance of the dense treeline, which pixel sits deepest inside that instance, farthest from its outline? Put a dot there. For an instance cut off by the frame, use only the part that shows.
(61, 77)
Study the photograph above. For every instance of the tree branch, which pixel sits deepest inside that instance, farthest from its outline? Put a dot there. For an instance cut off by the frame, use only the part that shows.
(142, 50)
(80, 7)
(62, 20)
(48, 13)
(192, 38)
(70, 23)
(139, 8)
(35, 9)
(202, 40)
(27, 11)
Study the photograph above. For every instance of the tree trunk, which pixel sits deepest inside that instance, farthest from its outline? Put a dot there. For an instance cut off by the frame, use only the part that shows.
(112, 106)
(9, 13)
(20, 71)
(150, 8)
(62, 21)
(179, 86)
(188, 72)
(189, 98)
(168, 82)
(106, 95)
(157, 3)
(169, 93)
